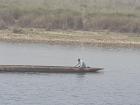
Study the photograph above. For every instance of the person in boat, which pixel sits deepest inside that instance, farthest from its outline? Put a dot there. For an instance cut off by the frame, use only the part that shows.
(83, 65)
(80, 63)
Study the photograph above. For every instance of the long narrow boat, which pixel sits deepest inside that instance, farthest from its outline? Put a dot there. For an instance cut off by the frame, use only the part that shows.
(46, 69)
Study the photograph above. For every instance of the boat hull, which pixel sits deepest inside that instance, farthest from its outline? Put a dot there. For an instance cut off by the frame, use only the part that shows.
(46, 69)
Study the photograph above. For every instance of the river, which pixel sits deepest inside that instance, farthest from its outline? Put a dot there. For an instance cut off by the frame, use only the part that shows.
(117, 84)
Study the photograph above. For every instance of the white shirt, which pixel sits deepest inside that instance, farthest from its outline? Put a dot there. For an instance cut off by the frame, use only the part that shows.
(82, 64)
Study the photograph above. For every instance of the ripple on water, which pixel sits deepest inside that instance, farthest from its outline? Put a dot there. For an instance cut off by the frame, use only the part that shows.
(117, 84)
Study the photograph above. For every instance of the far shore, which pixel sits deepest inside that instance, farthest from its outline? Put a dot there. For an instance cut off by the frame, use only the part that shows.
(81, 38)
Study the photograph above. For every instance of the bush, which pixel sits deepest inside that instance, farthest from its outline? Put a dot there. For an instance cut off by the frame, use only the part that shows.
(76, 16)
(18, 31)
(2, 25)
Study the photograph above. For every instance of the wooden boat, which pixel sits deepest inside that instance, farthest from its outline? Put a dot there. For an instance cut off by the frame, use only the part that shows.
(46, 69)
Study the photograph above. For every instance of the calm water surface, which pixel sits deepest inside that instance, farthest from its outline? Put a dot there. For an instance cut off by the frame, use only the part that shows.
(118, 84)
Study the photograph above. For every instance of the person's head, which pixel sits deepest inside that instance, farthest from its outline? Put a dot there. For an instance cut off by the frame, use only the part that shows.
(78, 59)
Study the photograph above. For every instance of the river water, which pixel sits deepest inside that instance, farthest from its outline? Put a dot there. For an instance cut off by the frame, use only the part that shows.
(117, 84)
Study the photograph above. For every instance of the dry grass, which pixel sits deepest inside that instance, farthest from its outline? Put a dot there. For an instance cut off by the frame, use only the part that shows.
(106, 22)
(90, 15)
(71, 37)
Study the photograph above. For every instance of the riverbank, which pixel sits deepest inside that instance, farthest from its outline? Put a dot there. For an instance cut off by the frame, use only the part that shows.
(98, 38)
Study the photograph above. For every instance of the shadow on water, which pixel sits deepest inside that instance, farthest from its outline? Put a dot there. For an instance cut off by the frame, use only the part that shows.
(80, 75)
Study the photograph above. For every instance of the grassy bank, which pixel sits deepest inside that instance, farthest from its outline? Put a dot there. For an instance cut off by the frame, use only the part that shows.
(88, 22)
(81, 38)
(82, 15)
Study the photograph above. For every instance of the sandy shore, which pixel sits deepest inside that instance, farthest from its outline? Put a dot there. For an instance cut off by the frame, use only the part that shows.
(81, 38)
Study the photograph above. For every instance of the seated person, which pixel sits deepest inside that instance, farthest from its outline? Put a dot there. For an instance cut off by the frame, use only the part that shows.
(83, 64)
(80, 63)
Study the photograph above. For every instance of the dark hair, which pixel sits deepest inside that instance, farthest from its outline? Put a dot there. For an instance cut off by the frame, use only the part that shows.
(78, 59)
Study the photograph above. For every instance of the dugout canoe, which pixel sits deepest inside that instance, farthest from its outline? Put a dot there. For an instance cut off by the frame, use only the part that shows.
(46, 69)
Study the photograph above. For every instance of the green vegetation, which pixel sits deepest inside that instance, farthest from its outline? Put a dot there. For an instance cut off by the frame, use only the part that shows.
(90, 15)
